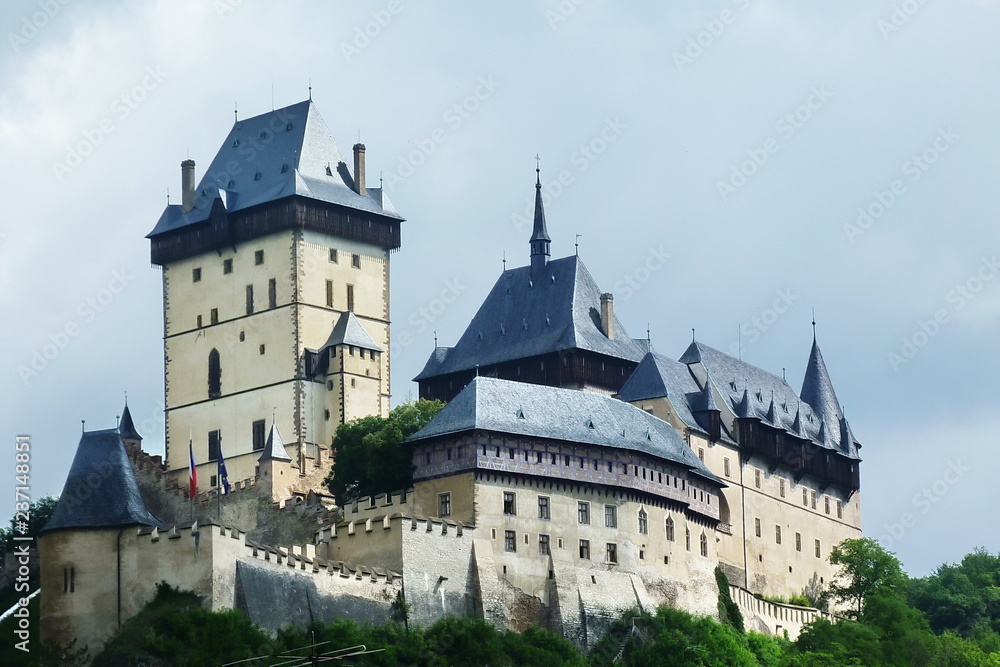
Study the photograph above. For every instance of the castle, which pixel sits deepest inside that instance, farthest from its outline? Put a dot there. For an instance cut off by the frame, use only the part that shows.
(574, 472)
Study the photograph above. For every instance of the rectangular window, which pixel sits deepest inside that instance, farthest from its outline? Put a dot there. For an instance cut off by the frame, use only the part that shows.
(199, 321)
(566, 459)
(777, 534)
(329, 294)
(543, 507)
(258, 434)
(756, 527)
(261, 350)
(725, 466)
(756, 478)
(510, 453)
(798, 541)
(258, 257)
(585, 549)
(333, 255)
(826, 504)
(781, 488)
(509, 540)
(611, 553)
(509, 503)
(350, 298)
(687, 539)
(356, 261)
(213, 316)
(840, 510)
(538, 457)
(543, 545)
(583, 512)
(818, 550)
(272, 293)
(643, 523)
(701, 454)
(812, 499)
(704, 545)
(249, 299)
(214, 441)
(196, 274)
(444, 504)
(805, 497)
(227, 266)
(610, 516)
(670, 529)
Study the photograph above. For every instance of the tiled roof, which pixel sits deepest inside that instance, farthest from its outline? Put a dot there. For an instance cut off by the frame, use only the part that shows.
(529, 314)
(100, 490)
(519, 408)
(349, 331)
(288, 151)
(274, 449)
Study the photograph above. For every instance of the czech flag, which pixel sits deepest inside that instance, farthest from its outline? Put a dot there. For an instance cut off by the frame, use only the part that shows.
(223, 473)
(192, 472)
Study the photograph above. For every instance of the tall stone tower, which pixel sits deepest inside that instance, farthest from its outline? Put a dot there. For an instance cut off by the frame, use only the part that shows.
(275, 297)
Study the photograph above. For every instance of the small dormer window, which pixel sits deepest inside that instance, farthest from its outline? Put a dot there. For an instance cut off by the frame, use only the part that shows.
(236, 143)
(256, 175)
(284, 168)
(288, 128)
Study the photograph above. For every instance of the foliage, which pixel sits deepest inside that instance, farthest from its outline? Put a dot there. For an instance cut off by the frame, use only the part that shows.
(173, 629)
(866, 569)
(371, 457)
(729, 611)
(39, 513)
(963, 598)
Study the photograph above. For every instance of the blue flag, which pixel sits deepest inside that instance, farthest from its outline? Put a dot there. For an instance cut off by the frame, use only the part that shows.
(223, 473)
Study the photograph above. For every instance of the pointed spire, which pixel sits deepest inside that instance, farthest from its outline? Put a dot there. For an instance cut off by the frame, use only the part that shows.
(817, 389)
(126, 427)
(742, 408)
(274, 449)
(539, 235)
(797, 423)
(708, 397)
(772, 414)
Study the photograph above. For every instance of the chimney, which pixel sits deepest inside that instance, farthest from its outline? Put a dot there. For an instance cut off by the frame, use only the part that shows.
(187, 185)
(359, 169)
(608, 314)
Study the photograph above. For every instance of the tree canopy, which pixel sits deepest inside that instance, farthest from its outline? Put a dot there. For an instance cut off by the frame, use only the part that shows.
(371, 457)
(866, 569)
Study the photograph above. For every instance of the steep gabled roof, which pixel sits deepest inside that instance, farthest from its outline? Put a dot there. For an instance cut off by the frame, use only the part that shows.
(754, 393)
(288, 151)
(519, 408)
(100, 490)
(526, 315)
(348, 331)
(274, 448)
(817, 388)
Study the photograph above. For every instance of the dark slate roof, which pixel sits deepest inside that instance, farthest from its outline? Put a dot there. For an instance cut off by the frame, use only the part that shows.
(525, 315)
(126, 427)
(659, 376)
(519, 408)
(348, 331)
(539, 231)
(753, 392)
(817, 389)
(274, 448)
(284, 152)
(100, 490)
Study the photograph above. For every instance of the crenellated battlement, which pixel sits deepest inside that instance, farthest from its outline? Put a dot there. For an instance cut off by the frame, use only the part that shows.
(376, 505)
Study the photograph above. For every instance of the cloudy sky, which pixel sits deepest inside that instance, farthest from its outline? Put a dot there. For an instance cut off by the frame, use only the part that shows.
(729, 166)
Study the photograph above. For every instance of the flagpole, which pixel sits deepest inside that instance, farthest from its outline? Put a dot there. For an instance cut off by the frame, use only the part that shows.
(218, 480)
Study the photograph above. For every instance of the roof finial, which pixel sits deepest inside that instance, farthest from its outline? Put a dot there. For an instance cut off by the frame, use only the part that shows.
(168, 196)
(814, 324)
(83, 426)
(647, 333)
(577, 244)
(505, 260)
(118, 421)
(538, 171)
(380, 179)
(310, 89)
(783, 374)
(435, 339)
(236, 112)
(273, 410)
(126, 398)
(692, 335)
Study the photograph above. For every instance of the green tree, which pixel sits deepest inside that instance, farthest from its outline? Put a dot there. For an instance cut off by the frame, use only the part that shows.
(39, 513)
(866, 569)
(962, 597)
(371, 456)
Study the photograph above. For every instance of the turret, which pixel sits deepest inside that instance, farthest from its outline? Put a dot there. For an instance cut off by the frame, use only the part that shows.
(540, 240)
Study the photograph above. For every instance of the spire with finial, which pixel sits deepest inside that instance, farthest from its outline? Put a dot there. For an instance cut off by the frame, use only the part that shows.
(236, 112)
(539, 235)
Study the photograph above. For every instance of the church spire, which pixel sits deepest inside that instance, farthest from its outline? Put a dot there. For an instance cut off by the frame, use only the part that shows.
(539, 235)
(817, 388)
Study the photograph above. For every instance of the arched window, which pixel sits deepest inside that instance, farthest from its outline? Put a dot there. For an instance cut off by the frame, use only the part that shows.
(214, 374)
(643, 523)
(704, 545)
(670, 529)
